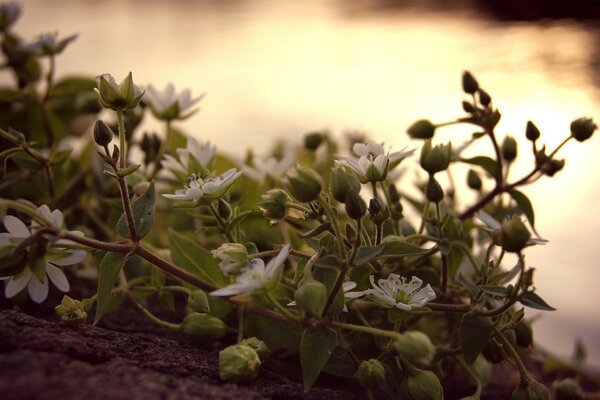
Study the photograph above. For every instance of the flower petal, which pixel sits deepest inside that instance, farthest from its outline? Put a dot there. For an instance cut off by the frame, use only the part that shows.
(57, 277)
(17, 283)
(38, 291)
(16, 227)
(70, 258)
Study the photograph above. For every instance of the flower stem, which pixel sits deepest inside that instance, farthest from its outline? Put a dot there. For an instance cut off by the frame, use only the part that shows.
(153, 317)
(220, 222)
(122, 140)
(279, 307)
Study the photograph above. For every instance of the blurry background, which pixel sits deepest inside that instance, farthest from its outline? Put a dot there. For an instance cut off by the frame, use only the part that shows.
(276, 70)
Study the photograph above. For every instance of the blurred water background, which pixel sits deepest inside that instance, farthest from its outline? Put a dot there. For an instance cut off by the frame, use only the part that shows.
(276, 70)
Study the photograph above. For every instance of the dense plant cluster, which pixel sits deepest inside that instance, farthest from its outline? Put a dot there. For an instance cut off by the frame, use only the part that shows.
(334, 256)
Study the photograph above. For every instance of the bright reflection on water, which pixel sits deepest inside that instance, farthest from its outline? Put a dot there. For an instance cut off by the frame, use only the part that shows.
(278, 69)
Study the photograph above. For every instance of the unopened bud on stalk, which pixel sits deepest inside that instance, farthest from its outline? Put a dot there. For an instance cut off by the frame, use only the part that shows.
(303, 183)
(532, 132)
(422, 129)
(567, 389)
(582, 129)
(313, 140)
(203, 328)
(531, 390)
(224, 209)
(473, 180)
(258, 345)
(274, 204)
(103, 135)
(524, 334)
(71, 311)
(414, 345)
(341, 181)
(435, 158)
(311, 297)
(484, 98)
(198, 301)
(422, 385)
(370, 374)
(509, 148)
(238, 363)
(469, 83)
(355, 205)
(434, 191)
(514, 235)
(553, 166)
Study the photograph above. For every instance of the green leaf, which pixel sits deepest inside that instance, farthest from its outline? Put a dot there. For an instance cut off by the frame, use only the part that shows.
(366, 254)
(316, 347)
(190, 256)
(475, 331)
(470, 286)
(330, 261)
(487, 163)
(525, 205)
(498, 291)
(530, 299)
(393, 246)
(108, 272)
(143, 214)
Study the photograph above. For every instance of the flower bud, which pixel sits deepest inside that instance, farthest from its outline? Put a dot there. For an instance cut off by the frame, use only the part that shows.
(509, 148)
(71, 311)
(311, 297)
(238, 363)
(422, 129)
(303, 183)
(532, 132)
(414, 345)
(394, 195)
(313, 140)
(484, 98)
(420, 384)
(524, 334)
(434, 191)
(203, 328)
(532, 390)
(103, 135)
(435, 159)
(198, 302)
(567, 389)
(9, 13)
(374, 207)
(151, 146)
(468, 107)
(258, 345)
(469, 83)
(355, 205)
(514, 235)
(224, 209)
(553, 166)
(473, 180)
(582, 129)
(121, 97)
(341, 181)
(370, 374)
(274, 204)
(232, 257)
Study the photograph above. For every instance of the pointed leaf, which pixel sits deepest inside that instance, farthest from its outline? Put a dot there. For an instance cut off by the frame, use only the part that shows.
(108, 272)
(475, 331)
(366, 254)
(393, 246)
(143, 214)
(316, 347)
(498, 291)
(487, 163)
(530, 299)
(525, 205)
(190, 256)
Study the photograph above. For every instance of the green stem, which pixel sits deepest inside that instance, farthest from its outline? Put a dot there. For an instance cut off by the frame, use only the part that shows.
(335, 225)
(222, 224)
(153, 317)
(280, 308)
(525, 376)
(365, 329)
(122, 140)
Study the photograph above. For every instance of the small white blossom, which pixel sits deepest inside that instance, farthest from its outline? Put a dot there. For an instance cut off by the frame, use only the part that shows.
(9, 13)
(232, 257)
(373, 149)
(193, 159)
(32, 277)
(395, 291)
(255, 275)
(270, 167)
(48, 44)
(168, 104)
(206, 189)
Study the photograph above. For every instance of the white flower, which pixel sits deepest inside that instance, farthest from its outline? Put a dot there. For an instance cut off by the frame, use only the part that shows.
(256, 275)
(194, 159)
(206, 189)
(374, 149)
(270, 167)
(35, 276)
(396, 292)
(168, 104)
(48, 44)
(232, 255)
(492, 225)
(9, 13)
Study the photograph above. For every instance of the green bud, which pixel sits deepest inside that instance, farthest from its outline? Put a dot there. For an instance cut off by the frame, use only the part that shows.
(567, 389)
(238, 363)
(303, 183)
(274, 204)
(435, 159)
(509, 148)
(493, 352)
(151, 146)
(582, 129)
(370, 374)
(394, 195)
(553, 166)
(71, 312)
(103, 135)
(532, 132)
(484, 97)
(374, 207)
(414, 345)
(524, 334)
(473, 180)
(202, 327)
(421, 385)
(422, 129)
(121, 97)
(514, 235)
(198, 301)
(313, 140)
(355, 205)
(434, 191)
(258, 345)
(224, 209)
(311, 297)
(341, 181)
(116, 153)
(468, 107)
(469, 83)
(9, 13)
(532, 390)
